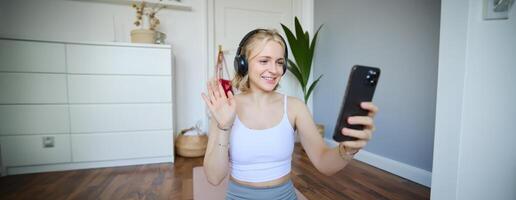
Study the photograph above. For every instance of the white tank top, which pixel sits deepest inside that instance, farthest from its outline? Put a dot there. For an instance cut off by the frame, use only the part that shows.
(261, 155)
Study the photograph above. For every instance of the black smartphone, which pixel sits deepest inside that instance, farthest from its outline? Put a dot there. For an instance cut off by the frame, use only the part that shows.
(361, 85)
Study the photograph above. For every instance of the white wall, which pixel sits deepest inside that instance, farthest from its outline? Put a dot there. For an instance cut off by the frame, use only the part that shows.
(104, 22)
(475, 155)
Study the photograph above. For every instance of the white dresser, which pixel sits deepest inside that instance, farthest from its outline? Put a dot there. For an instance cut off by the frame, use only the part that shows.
(69, 105)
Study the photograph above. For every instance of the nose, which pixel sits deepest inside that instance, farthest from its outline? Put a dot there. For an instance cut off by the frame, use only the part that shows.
(276, 68)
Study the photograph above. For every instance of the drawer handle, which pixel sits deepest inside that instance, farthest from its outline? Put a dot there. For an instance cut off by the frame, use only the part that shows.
(48, 142)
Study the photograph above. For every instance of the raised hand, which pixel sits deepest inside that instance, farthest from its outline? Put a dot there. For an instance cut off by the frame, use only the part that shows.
(222, 108)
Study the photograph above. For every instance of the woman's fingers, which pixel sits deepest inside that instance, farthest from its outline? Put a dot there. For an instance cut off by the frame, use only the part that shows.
(221, 90)
(362, 135)
(215, 95)
(357, 144)
(212, 89)
(370, 107)
(211, 95)
(207, 100)
(365, 135)
(361, 120)
(366, 121)
(215, 87)
(230, 98)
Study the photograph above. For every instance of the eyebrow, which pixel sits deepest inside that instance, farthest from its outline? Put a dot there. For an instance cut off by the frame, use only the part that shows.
(270, 57)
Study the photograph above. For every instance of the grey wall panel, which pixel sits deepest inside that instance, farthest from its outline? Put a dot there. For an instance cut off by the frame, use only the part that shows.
(399, 36)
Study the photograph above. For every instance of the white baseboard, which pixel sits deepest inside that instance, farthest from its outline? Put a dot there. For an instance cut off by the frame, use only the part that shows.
(86, 165)
(409, 172)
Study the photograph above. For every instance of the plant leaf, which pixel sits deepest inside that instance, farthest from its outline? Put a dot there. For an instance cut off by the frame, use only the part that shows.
(312, 46)
(291, 39)
(302, 52)
(307, 95)
(290, 36)
(299, 30)
(307, 41)
(292, 67)
(299, 53)
(307, 61)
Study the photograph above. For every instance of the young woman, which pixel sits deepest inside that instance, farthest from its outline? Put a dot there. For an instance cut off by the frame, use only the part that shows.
(254, 130)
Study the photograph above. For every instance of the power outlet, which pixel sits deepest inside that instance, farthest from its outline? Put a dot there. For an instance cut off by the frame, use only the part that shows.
(497, 9)
(48, 142)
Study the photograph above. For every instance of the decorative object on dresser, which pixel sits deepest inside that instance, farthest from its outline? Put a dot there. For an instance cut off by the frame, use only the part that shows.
(147, 21)
(73, 105)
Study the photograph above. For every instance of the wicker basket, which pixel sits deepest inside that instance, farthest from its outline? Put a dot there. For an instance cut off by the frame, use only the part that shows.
(191, 145)
(320, 129)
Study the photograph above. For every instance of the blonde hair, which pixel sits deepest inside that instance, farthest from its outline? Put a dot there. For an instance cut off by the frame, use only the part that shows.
(250, 49)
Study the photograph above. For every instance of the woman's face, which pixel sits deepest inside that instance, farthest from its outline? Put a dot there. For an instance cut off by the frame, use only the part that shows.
(266, 68)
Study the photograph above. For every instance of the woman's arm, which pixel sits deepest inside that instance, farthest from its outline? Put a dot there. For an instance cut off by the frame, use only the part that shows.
(223, 111)
(328, 160)
(216, 159)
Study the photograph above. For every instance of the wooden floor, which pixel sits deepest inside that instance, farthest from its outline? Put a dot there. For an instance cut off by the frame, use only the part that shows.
(166, 181)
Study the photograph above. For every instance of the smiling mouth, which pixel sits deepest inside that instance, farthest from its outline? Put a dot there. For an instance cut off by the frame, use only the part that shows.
(268, 78)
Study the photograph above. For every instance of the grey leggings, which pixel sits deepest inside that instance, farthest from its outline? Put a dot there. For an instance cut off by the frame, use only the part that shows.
(284, 191)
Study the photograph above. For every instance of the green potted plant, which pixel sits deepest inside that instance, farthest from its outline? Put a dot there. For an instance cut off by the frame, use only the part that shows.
(303, 53)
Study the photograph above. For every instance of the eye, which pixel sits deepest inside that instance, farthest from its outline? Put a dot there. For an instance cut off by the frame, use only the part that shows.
(280, 62)
(263, 62)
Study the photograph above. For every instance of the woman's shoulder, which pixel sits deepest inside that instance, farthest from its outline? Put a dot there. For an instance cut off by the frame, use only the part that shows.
(242, 99)
(295, 102)
(240, 95)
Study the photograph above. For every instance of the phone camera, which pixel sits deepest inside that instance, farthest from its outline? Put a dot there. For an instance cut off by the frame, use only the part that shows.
(371, 77)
